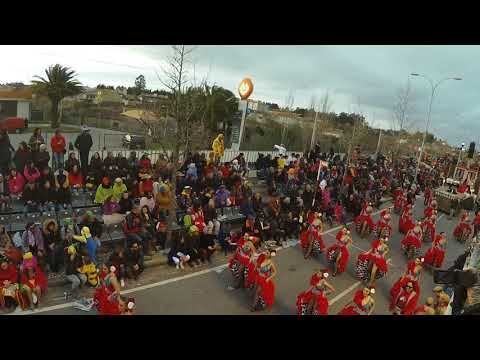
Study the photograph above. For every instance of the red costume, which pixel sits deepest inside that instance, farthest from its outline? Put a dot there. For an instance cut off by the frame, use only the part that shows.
(39, 279)
(365, 215)
(252, 271)
(428, 196)
(399, 201)
(104, 297)
(428, 228)
(377, 256)
(316, 294)
(312, 234)
(335, 249)
(463, 228)
(413, 238)
(411, 276)
(405, 222)
(266, 288)
(357, 308)
(241, 258)
(383, 227)
(404, 304)
(435, 255)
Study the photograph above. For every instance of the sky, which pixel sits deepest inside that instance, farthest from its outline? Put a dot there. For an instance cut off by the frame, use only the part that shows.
(359, 78)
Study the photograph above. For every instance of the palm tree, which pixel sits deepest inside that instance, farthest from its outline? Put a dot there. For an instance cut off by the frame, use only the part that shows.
(60, 83)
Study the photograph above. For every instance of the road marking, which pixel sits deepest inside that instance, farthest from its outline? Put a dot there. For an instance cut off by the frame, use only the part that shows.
(344, 292)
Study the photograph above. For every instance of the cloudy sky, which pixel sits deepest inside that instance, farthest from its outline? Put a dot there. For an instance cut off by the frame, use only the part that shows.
(363, 79)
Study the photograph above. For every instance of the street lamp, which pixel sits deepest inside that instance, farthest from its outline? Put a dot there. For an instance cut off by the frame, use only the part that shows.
(434, 88)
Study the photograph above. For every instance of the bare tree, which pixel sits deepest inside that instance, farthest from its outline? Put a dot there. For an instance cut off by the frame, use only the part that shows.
(325, 103)
(401, 111)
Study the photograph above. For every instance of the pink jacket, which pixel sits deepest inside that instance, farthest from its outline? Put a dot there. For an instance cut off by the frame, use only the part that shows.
(31, 177)
(16, 184)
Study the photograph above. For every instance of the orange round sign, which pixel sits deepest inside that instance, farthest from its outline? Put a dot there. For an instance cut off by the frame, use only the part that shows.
(245, 88)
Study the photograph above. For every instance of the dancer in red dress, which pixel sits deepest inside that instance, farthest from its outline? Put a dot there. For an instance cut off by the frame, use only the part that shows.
(311, 240)
(404, 303)
(405, 222)
(338, 253)
(431, 209)
(383, 227)
(411, 275)
(107, 295)
(463, 230)
(400, 200)
(240, 263)
(429, 227)
(364, 224)
(362, 304)
(314, 300)
(435, 255)
(428, 193)
(264, 295)
(412, 242)
(372, 265)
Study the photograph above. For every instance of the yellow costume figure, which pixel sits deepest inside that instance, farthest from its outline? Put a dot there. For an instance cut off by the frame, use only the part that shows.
(90, 270)
(218, 147)
(86, 238)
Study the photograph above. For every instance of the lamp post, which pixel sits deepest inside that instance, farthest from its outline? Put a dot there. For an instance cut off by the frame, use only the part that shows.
(434, 88)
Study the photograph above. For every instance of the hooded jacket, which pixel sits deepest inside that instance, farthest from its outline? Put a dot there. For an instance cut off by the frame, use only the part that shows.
(103, 193)
(218, 146)
(118, 189)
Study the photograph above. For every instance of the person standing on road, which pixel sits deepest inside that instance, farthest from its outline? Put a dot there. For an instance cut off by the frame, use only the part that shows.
(58, 145)
(84, 143)
(5, 154)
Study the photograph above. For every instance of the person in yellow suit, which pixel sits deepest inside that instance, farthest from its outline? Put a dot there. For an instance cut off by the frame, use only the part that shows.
(218, 147)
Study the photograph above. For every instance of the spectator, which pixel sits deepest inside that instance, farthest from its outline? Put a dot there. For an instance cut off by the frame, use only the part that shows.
(207, 243)
(59, 149)
(71, 162)
(46, 197)
(84, 143)
(87, 239)
(5, 153)
(46, 175)
(118, 189)
(119, 260)
(145, 185)
(61, 179)
(96, 168)
(178, 255)
(135, 263)
(16, 183)
(96, 229)
(134, 230)
(150, 225)
(33, 277)
(22, 156)
(9, 289)
(89, 269)
(36, 140)
(111, 215)
(30, 198)
(73, 267)
(75, 179)
(31, 172)
(222, 197)
(64, 197)
(126, 204)
(104, 191)
(145, 162)
(148, 201)
(163, 198)
(5, 201)
(42, 157)
(54, 245)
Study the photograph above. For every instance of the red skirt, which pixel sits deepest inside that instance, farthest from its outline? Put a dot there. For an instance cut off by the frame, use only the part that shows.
(411, 241)
(349, 310)
(105, 306)
(461, 228)
(304, 298)
(405, 225)
(266, 290)
(361, 218)
(434, 257)
(380, 262)
(243, 260)
(343, 260)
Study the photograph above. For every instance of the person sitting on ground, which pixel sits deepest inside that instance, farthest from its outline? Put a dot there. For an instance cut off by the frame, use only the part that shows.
(119, 260)
(75, 179)
(61, 178)
(207, 243)
(126, 203)
(16, 183)
(42, 157)
(178, 255)
(54, 245)
(119, 188)
(47, 196)
(89, 269)
(96, 229)
(135, 262)
(73, 267)
(104, 190)
(30, 198)
(33, 277)
(31, 172)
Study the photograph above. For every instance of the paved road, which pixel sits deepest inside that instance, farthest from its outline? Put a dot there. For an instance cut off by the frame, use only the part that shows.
(112, 138)
(206, 292)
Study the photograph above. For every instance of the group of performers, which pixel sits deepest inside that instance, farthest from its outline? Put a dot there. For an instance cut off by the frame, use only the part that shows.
(256, 271)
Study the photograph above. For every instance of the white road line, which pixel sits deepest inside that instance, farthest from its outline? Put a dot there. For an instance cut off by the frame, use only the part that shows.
(344, 292)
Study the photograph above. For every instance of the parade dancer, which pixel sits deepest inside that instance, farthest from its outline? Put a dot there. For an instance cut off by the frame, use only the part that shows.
(411, 275)
(435, 255)
(264, 294)
(240, 263)
(405, 222)
(428, 227)
(462, 231)
(107, 295)
(383, 227)
(362, 303)
(404, 303)
(428, 193)
(431, 209)
(400, 200)
(338, 253)
(372, 265)
(364, 224)
(311, 240)
(412, 242)
(314, 300)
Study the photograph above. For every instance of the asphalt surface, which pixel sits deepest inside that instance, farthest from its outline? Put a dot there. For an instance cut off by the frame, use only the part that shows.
(207, 292)
(101, 137)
